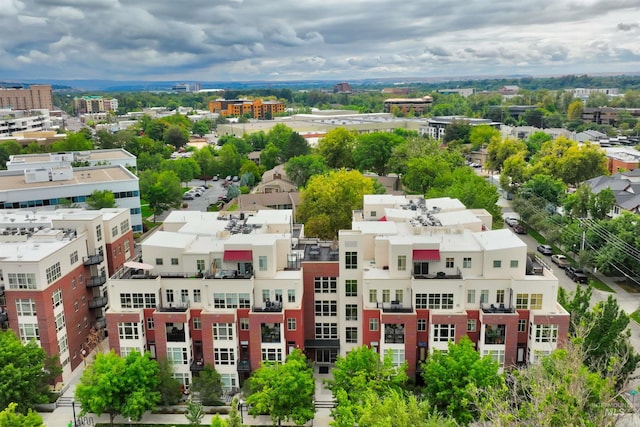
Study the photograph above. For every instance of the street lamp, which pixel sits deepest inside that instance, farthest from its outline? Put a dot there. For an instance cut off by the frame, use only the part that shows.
(241, 403)
(73, 407)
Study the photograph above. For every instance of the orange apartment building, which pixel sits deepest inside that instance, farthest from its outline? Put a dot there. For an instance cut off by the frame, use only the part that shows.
(32, 98)
(258, 109)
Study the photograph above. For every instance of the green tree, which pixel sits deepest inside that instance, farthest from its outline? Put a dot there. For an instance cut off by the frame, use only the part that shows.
(234, 419)
(397, 410)
(356, 376)
(228, 161)
(535, 141)
(329, 200)
(574, 111)
(498, 151)
(424, 172)
(202, 127)
(457, 131)
(373, 150)
(284, 391)
(577, 203)
(299, 169)
(270, 156)
(176, 136)
(195, 413)
(218, 421)
(119, 386)
(208, 385)
(451, 377)
(552, 190)
(9, 418)
(161, 190)
(26, 371)
(279, 136)
(186, 168)
(480, 136)
(250, 173)
(168, 386)
(101, 199)
(296, 145)
(337, 148)
(602, 203)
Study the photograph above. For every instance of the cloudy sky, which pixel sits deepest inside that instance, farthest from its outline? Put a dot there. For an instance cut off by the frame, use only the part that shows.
(235, 40)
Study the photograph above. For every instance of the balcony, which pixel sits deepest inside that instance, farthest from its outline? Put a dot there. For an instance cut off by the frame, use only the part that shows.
(101, 323)
(174, 333)
(98, 302)
(4, 316)
(270, 334)
(439, 275)
(95, 281)
(244, 365)
(229, 274)
(269, 307)
(495, 334)
(394, 307)
(196, 365)
(93, 259)
(498, 309)
(173, 307)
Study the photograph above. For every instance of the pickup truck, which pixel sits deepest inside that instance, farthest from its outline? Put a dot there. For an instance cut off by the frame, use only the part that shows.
(578, 275)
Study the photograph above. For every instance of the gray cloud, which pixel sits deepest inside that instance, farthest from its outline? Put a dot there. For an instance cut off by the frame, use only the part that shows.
(253, 39)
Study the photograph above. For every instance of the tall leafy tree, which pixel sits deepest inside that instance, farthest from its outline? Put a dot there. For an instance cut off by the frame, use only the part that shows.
(296, 145)
(397, 410)
(186, 168)
(119, 386)
(328, 201)
(451, 377)
(168, 386)
(10, 418)
(299, 169)
(500, 150)
(373, 150)
(208, 385)
(176, 136)
(602, 203)
(480, 136)
(101, 199)
(337, 148)
(284, 391)
(26, 371)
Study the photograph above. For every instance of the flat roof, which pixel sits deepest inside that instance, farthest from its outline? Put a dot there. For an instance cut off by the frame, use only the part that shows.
(14, 180)
(116, 153)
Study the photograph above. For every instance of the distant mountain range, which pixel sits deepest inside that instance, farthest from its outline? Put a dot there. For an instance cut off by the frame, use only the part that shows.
(141, 85)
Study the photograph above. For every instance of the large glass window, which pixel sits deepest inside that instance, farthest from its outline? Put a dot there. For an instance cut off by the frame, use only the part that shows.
(546, 333)
(25, 307)
(444, 332)
(224, 356)
(326, 285)
(351, 260)
(53, 272)
(350, 288)
(351, 334)
(21, 280)
(128, 330)
(56, 298)
(326, 308)
(177, 355)
(351, 311)
(326, 331)
(28, 331)
(271, 355)
(402, 262)
(374, 324)
(223, 331)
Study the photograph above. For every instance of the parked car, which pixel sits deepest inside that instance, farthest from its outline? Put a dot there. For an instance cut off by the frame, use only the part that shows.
(545, 249)
(188, 196)
(511, 221)
(578, 275)
(560, 260)
(519, 229)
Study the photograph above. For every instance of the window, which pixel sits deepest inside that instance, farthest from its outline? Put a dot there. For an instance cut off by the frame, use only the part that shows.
(114, 231)
(291, 295)
(169, 293)
(546, 333)
(444, 332)
(386, 295)
(326, 285)
(422, 325)
(174, 261)
(159, 261)
(471, 325)
(272, 355)
(278, 295)
(399, 295)
(60, 323)
(291, 323)
(500, 296)
(228, 382)
(53, 272)
(351, 260)
(223, 331)
(374, 324)
(471, 296)
(466, 263)
(244, 323)
(496, 355)
(197, 295)
(262, 263)
(127, 246)
(514, 263)
(484, 296)
(128, 330)
(350, 288)
(63, 344)
(402, 262)
(73, 282)
(28, 331)
(197, 323)
(124, 226)
(449, 263)
(184, 295)
(99, 233)
(177, 355)
(373, 214)
(422, 300)
(373, 295)
(434, 301)
(25, 307)
(397, 356)
(73, 258)
(265, 295)
(326, 308)
(199, 265)
(351, 334)
(522, 301)
(497, 263)
(151, 324)
(244, 301)
(327, 331)
(351, 311)
(21, 280)
(522, 325)
(535, 302)
(56, 298)
(76, 306)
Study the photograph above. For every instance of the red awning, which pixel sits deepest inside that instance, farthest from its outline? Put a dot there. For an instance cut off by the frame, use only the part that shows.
(426, 255)
(238, 256)
(384, 218)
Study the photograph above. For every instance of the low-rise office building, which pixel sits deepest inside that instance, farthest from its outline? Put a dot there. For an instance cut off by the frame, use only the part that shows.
(53, 270)
(410, 276)
(112, 157)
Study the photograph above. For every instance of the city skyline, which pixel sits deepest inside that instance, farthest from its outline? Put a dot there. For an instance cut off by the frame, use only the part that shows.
(241, 40)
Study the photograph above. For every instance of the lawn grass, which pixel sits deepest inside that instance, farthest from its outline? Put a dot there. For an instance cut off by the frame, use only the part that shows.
(145, 210)
(635, 316)
(600, 285)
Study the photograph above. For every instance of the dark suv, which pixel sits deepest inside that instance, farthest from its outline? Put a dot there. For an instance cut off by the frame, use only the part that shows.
(578, 275)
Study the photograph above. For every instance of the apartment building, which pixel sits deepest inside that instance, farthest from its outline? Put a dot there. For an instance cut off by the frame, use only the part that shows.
(257, 109)
(27, 98)
(436, 127)
(15, 122)
(410, 276)
(94, 104)
(112, 157)
(406, 105)
(55, 186)
(53, 270)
